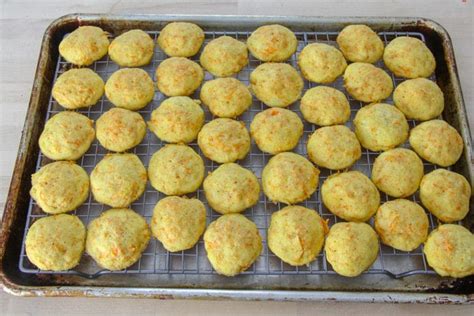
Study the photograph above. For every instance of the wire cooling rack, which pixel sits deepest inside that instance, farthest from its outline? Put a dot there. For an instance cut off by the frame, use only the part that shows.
(156, 259)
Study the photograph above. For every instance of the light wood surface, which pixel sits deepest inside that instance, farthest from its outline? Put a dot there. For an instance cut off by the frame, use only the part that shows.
(22, 24)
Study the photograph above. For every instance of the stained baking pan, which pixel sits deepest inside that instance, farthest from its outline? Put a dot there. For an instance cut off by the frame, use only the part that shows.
(395, 277)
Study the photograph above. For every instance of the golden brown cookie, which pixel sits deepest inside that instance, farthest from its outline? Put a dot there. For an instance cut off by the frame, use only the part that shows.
(178, 222)
(67, 136)
(78, 88)
(334, 147)
(224, 56)
(226, 97)
(130, 88)
(351, 196)
(177, 120)
(181, 39)
(351, 248)
(296, 234)
(359, 43)
(272, 43)
(231, 189)
(325, 106)
(117, 238)
(449, 250)
(446, 195)
(402, 224)
(232, 243)
(178, 76)
(176, 170)
(84, 45)
(321, 63)
(60, 187)
(56, 242)
(120, 129)
(380, 126)
(409, 57)
(397, 172)
(276, 84)
(437, 142)
(132, 49)
(276, 130)
(289, 178)
(367, 83)
(118, 180)
(224, 140)
(419, 99)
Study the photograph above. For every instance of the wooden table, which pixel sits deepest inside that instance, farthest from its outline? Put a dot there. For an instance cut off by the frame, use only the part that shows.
(22, 24)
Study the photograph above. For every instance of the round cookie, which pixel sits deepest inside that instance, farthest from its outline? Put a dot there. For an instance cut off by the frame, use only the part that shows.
(84, 45)
(120, 129)
(78, 88)
(445, 194)
(351, 196)
(117, 238)
(449, 250)
(321, 63)
(231, 189)
(402, 224)
(437, 142)
(224, 56)
(272, 43)
(359, 43)
(176, 170)
(177, 120)
(334, 147)
(181, 39)
(118, 180)
(367, 83)
(276, 130)
(276, 84)
(325, 106)
(380, 126)
(66, 136)
(56, 242)
(130, 88)
(419, 99)
(409, 57)
(178, 222)
(289, 178)
(232, 243)
(296, 235)
(397, 172)
(226, 97)
(60, 187)
(351, 248)
(178, 76)
(132, 49)
(224, 140)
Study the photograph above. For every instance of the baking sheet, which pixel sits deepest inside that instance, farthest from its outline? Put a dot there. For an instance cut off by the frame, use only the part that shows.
(190, 271)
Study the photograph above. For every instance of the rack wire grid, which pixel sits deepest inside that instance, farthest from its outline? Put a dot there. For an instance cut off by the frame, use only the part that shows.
(156, 259)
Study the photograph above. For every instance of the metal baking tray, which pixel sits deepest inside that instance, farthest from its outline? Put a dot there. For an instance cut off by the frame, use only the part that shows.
(395, 276)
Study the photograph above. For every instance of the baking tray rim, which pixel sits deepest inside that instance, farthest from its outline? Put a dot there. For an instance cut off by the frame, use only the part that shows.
(179, 293)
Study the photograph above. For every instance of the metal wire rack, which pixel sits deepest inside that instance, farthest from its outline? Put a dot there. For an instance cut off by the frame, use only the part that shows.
(156, 259)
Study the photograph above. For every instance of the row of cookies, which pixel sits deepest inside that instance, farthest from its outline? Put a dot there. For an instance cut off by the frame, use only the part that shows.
(405, 56)
(397, 172)
(296, 235)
